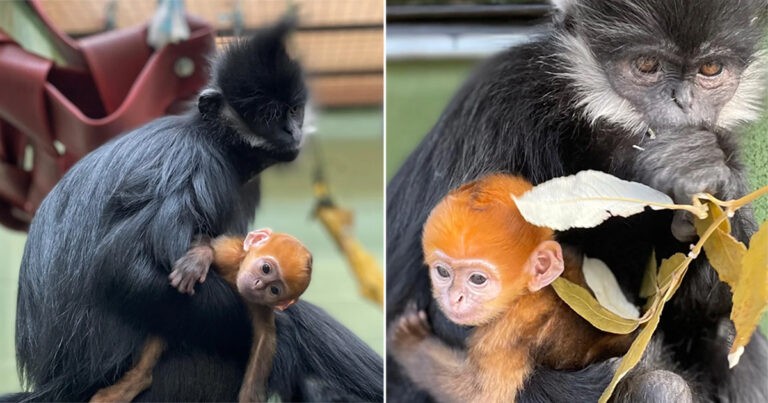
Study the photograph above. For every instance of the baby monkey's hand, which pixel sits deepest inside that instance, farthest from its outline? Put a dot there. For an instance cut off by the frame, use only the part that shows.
(191, 268)
(409, 329)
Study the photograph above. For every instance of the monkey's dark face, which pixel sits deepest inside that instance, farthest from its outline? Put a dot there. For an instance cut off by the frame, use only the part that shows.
(262, 94)
(659, 64)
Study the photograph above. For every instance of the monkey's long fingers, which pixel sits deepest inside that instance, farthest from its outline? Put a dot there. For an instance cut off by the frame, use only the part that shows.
(175, 278)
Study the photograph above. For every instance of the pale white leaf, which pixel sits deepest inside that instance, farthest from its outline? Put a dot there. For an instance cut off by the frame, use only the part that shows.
(603, 284)
(586, 199)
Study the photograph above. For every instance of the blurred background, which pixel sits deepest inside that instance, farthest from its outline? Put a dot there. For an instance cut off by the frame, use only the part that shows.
(340, 43)
(432, 46)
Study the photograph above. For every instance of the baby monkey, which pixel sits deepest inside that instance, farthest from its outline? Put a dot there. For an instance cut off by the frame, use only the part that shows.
(269, 270)
(491, 269)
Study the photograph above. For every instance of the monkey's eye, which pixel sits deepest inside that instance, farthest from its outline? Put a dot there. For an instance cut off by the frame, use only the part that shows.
(442, 272)
(647, 64)
(265, 268)
(274, 290)
(294, 110)
(710, 69)
(478, 279)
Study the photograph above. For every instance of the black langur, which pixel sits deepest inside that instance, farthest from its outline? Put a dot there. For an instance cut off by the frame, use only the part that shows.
(648, 90)
(94, 277)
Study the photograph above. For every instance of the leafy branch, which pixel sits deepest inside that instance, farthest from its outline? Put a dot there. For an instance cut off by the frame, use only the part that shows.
(596, 196)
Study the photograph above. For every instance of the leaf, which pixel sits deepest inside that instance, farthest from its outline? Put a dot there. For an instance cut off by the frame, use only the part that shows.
(584, 304)
(650, 282)
(724, 252)
(634, 354)
(669, 267)
(586, 199)
(605, 287)
(750, 296)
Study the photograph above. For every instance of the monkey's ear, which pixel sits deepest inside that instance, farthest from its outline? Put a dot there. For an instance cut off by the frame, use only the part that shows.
(256, 238)
(209, 103)
(284, 305)
(546, 264)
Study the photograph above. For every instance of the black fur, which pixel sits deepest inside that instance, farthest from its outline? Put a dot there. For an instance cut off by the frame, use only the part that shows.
(518, 113)
(93, 281)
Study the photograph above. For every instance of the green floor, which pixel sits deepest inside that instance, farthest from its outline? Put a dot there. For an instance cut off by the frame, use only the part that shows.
(350, 142)
(417, 92)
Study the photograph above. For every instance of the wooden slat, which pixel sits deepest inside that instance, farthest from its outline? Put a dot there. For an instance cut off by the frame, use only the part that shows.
(86, 16)
(347, 90)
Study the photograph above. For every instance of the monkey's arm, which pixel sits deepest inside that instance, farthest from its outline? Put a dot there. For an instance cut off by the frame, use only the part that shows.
(431, 364)
(228, 253)
(254, 387)
(225, 252)
(138, 378)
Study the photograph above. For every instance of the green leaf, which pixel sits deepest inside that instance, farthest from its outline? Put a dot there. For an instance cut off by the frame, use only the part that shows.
(724, 252)
(750, 296)
(583, 303)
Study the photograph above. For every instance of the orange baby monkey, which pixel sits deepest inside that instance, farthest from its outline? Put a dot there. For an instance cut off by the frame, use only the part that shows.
(269, 270)
(491, 269)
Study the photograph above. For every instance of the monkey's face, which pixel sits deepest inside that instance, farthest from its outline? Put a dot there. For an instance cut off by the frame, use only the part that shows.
(466, 289)
(276, 270)
(664, 65)
(263, 93)
(260, 281)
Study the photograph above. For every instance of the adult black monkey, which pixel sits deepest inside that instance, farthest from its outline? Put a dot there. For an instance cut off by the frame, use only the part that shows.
(94, 276)
(648, 90)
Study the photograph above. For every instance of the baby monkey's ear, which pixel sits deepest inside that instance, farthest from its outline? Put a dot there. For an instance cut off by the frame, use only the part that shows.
(209, 103)
(545, 265)
(285, 304)
(256, 238)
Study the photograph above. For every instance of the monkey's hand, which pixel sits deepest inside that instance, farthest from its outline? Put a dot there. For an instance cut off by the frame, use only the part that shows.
(716, 179)
(684, 162)
(408, 330)
(192, 268)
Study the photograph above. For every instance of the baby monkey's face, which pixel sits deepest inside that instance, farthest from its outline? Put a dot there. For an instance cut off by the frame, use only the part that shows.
(464, 288)
(260, 281)
(275, 271)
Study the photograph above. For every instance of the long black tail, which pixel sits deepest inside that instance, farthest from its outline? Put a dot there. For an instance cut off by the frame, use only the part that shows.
(318, 359)
(15, 397)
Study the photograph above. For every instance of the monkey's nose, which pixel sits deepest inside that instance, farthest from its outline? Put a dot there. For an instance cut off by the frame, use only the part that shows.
(683, 97)
(459, 299)
(258, 284)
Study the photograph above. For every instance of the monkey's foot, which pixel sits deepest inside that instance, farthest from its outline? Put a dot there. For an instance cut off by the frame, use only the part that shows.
(410, 328)
(191, 269)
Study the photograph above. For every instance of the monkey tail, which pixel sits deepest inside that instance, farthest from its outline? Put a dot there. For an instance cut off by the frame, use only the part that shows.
(320, 360)
(16, 397)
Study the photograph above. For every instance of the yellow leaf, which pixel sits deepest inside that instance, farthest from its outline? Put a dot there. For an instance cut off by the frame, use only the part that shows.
(583, 303)
(724, 252)
(650, 282)
(669, 267)
(633, 355)
(750, 296)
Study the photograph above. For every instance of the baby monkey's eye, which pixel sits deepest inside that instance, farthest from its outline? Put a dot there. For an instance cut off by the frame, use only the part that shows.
(710, 69)
(477, 279)
(265, 268)
(274, 290)
(442, 272)
(647, 64)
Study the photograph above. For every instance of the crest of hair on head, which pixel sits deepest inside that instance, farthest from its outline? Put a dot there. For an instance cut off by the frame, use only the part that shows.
(480, 220)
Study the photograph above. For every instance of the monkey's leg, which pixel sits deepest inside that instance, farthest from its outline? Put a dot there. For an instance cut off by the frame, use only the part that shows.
(138, 378)
(655, 379)
(254, 386)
